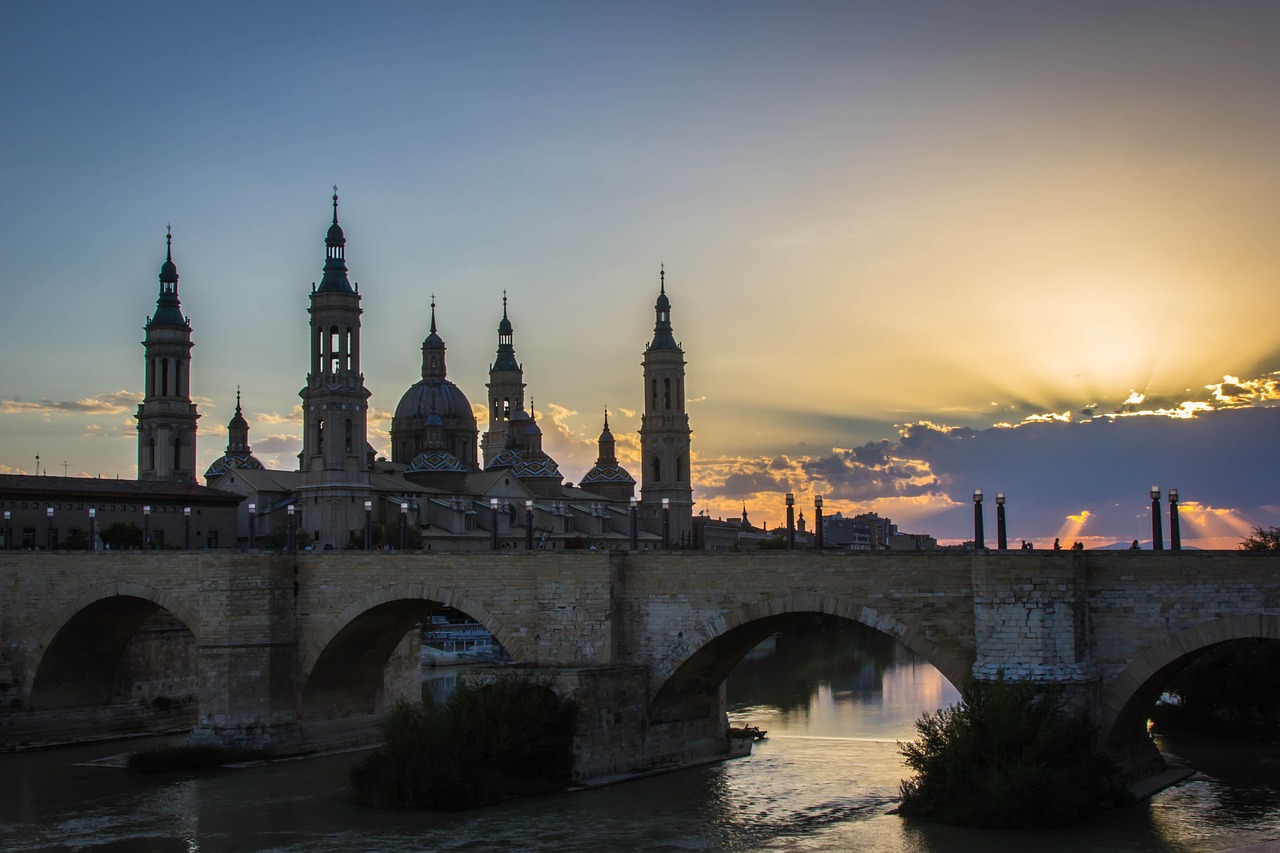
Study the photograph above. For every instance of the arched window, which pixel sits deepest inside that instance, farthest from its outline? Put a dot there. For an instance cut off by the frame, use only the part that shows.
(177, 454)
(350, 435)
(335, 357)
(151, 454)
(350, 349)
(679, 469)
(164, 377)
(666, 393)
(653, 384)
(656, 465)
(320, 436)
(154, 377)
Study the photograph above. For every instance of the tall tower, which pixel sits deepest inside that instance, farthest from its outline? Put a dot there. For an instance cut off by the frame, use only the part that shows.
(664, 430)
(335, 401)
(506, 389)
(166, 416)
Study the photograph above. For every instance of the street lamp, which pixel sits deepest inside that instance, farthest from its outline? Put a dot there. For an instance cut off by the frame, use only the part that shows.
(1157, 536)
(633, 512)
(48, 512)
(528, 525)
(186, 527)
(1175, 533)
(93, 529)
(253, 518)
(493, 523)
(666, 524)
(404, 525)
(979, 539)
(291, 511)
(791, 521)
(368, 524)
(146, 526)
(1002, 541)
(817, 520)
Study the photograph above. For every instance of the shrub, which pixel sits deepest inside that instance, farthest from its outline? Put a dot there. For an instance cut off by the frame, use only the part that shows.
(1006, 756)
(509, 738)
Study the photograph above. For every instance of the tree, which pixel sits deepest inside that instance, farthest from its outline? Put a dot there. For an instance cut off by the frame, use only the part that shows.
(1007, 755)
(121, 535)
(1262, 540)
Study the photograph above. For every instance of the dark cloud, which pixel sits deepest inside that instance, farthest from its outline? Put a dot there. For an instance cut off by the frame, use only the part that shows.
(105, 404)
(744, 484)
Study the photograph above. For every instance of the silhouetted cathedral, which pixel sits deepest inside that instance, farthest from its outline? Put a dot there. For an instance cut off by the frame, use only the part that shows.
(445, 486)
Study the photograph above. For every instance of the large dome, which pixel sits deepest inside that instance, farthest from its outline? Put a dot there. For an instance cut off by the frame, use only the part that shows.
(436, 395)
(434, 414)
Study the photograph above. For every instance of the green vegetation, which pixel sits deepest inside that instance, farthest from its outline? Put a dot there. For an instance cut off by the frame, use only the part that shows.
(1232, 689)
(121, 535)
(181, 759)
(485, 744)
(1006, 756)
(1262, 540)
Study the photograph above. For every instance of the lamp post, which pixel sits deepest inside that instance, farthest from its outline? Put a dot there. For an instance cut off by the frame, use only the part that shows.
(493, 523)
(186, 527)
(633, 517)
(817, 520)
(528, 525)
(253, 518)
(1002, 541)
(93, 529)
(666, 524)
(368, 524)
(146, 527)
(48, 513)
(1157, 536)
(404, 525)
(979, 538)
(791, 521)
(291, 511)
(1175, 533)
(8, 531)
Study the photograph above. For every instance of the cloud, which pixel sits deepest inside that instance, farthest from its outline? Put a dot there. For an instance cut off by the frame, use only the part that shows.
(275, 418)
(278, 443)
(105, 404)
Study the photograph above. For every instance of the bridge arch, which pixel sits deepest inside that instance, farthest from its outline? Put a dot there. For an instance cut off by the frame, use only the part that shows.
(701, 658)
(76, 656)
(342, 664)
(1128, 697)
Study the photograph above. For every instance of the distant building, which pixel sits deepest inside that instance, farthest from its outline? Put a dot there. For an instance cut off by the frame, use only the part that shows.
(43, 512)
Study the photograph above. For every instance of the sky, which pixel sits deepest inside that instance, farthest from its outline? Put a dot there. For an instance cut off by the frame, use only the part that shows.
(913, 249)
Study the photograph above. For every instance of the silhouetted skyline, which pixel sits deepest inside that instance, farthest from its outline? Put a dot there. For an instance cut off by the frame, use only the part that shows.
(887, 229)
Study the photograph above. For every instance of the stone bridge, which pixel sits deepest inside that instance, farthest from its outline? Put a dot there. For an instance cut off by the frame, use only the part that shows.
(295, 652)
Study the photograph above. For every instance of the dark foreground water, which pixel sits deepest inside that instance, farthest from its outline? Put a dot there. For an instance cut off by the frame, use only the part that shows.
(824, 780)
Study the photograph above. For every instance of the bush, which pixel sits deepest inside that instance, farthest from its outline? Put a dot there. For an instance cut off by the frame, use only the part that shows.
(509, 738)
(1006, 756)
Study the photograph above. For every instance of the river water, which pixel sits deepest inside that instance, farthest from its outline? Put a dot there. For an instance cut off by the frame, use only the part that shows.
(834, 705)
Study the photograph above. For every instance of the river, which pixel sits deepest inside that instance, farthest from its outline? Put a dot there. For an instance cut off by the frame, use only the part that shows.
(834, 705)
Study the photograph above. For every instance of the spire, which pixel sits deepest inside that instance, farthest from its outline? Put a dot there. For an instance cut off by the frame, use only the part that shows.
(335, 263)
(608, 448)
(662, 337)
(433, 350)
(168, 309)
(238, 430)
(506, 358)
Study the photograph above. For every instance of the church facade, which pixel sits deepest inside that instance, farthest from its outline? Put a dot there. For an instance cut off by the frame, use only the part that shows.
(445, 486)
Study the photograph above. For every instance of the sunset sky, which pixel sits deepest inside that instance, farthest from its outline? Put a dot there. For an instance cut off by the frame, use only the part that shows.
(912, 248)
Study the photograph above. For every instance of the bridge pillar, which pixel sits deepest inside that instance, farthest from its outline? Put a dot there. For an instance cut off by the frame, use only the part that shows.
(247, 653)
(1031, 622)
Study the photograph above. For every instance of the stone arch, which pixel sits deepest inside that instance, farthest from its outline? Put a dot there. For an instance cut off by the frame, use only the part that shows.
(1127, 697)
(77, 653)
(343, 662)
(690, 675)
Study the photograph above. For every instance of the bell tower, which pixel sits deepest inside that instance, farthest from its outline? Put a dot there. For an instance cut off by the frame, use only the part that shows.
(167, 417)
(664, 431)
(506, 389)
(335, 401)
